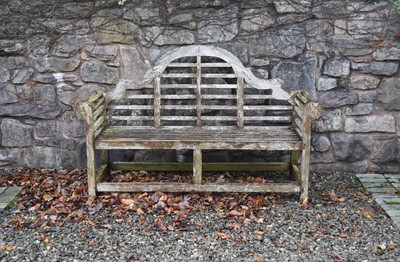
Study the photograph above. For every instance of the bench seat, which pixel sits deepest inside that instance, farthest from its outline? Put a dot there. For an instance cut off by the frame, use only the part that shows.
(233, 139)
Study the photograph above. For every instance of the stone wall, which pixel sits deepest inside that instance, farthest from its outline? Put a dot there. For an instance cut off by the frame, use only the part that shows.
(344, 53)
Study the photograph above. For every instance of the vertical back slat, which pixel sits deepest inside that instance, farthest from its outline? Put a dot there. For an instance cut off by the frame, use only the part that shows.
(240, 101)
(157, 103)
(198, 102)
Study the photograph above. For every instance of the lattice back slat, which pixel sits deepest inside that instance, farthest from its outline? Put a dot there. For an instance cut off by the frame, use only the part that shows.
(200, 91)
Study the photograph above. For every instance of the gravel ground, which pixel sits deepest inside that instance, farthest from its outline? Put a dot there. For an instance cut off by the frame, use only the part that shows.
(341, 223)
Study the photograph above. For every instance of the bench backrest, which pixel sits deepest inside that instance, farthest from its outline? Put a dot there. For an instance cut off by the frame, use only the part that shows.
(200, 86)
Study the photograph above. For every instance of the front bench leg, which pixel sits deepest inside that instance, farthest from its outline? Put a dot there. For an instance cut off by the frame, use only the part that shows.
(197, 165)
(93, 112)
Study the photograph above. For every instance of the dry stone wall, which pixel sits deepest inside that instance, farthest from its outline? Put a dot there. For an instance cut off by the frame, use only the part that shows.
(346, 54)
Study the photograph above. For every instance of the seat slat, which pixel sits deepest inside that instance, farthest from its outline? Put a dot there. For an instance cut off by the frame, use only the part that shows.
(197, 135)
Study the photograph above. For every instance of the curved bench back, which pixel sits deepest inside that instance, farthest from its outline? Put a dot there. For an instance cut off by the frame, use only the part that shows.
(200, 86)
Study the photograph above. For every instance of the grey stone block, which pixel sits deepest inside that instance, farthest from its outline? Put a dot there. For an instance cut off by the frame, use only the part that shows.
(21, 76)
(369, 175)
(377, 68)
(99, 73)
(15, 133)
(393, 177)
(72, 127)
(351, 147)
(174, 37)
(219, 26)
(8, 195)
(104, 53)
(297, 76)
(321, 143)
(286, 43)
(386, 151)
(46, 128)
(383, 198)
(367, 96)
(8, 94)
(255, 21)
(325, 84)
(372, 123)
(388, 94)
(387, 53)
(373, 183)
(359, 109)
(144, 16)
(331, 121)
(339, 67)
(349, 46)
(393, 213)
(55, 64)
(283, 6)
(114, 30)
(69, 45)
(4, 73)
(385, 190)
(363, 82)
(11, 47)
(337, 99)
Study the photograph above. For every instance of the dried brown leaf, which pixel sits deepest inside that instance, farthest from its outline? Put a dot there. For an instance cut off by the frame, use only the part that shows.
(234, 213)
(260, 233)
(127, 201)
(223, 235)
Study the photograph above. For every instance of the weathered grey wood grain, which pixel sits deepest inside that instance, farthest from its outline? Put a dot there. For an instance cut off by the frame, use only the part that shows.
(206, 167)
(279, 127)
(186, 187)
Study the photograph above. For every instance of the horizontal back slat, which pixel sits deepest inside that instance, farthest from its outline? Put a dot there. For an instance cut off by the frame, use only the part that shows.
(202, 91)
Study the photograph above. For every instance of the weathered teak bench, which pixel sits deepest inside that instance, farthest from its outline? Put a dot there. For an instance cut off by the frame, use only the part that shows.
(199, 98)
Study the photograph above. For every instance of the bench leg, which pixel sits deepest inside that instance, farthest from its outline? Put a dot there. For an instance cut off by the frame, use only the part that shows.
(305, 172)
(293, 162)
(91, 171)
(197, 165)
(105, 160)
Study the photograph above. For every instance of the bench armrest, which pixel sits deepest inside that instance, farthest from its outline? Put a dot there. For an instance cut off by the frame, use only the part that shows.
(305, 111)
(93, 112)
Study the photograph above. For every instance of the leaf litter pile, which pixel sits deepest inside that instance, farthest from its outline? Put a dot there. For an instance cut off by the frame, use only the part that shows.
(53, 219)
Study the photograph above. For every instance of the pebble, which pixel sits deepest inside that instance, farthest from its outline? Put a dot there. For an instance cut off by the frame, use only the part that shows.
(322, 231)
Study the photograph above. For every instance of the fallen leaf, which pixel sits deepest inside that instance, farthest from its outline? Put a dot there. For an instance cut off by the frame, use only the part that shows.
(341, 199)
(260, 259)
(47, 197)
(260, 233)
(90, 222)
(9, 248)
(163, 198)
(234, 213)
(45, 239)
(127, 201)
(391, 245)
(336, 256)
(223, 235)
(344, 236)
(367, 215)
(139, 211)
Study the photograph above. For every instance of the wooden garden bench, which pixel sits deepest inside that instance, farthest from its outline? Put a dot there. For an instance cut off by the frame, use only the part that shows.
(199, 98)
